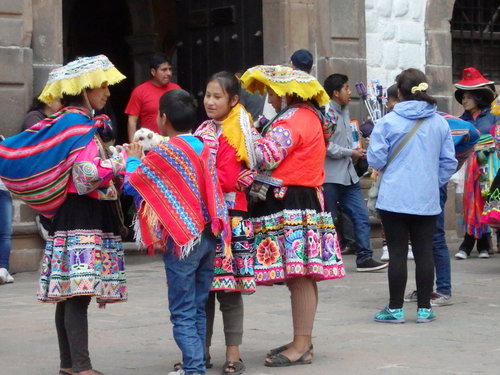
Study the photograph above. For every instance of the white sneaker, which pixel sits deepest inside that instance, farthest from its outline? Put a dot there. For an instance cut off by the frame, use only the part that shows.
(438, 299)
(410, 253)
(5, 276)
(483, 254)
(182, 372)
(385, 254)
(461, 255)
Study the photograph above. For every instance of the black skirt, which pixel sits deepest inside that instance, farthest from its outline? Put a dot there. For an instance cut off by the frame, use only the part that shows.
(295, 198)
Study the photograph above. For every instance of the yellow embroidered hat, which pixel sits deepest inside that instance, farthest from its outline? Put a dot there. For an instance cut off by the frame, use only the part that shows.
(284, 81)
(77, 75)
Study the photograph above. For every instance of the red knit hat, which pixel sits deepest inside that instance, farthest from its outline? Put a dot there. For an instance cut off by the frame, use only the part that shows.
(472, 79)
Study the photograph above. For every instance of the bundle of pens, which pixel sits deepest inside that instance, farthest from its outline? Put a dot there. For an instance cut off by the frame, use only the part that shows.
(375, 99)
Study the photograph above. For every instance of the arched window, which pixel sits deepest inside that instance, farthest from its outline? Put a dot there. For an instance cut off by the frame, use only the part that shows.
(475, 29)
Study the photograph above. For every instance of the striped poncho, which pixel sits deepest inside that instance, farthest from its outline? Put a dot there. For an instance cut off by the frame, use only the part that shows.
(180, 195)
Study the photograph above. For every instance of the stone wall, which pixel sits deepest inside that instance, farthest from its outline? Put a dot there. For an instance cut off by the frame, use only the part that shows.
(395, 37)
(30, 46)
(47, 42)
(27, 245)
(16, 87)
(438, 57)
(16, 61)
(333, 30)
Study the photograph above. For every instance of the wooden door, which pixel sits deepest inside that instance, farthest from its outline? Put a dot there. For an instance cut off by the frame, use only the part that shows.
(217, 35)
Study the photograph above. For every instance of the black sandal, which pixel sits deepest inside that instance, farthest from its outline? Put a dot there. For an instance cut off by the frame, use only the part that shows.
(234, 367)
(277, 350)
(282, 348)
(280, 360)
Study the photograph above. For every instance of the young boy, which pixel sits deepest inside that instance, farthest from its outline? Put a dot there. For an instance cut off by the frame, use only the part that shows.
(341, 180)
(181, 208)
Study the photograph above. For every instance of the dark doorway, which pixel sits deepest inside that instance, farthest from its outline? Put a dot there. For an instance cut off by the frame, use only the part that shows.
(217, 35)
(201, 36)
(93, 27)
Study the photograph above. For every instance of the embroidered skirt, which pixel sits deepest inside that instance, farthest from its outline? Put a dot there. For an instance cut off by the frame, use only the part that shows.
(236, 274)
(84, 253)
(294, 237)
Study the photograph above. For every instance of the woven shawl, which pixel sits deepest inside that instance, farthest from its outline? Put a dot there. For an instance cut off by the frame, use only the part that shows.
(180, 196)
(35, 165)
(237, 129)
(478, 178)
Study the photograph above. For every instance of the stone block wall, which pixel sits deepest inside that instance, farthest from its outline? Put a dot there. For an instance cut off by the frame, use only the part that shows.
(438, 58)
(30, 46)
(27, 245)
(333, 30)
(16, 61)
(395, 38)
(47, 40)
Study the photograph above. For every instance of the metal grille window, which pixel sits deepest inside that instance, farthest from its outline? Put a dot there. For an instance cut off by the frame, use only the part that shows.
(475, 29)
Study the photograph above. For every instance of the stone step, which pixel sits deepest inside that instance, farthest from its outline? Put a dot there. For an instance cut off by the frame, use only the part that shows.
(27, 246)
(25, 260)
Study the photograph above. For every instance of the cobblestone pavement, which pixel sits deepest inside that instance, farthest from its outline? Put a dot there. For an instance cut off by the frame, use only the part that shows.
(135, 337)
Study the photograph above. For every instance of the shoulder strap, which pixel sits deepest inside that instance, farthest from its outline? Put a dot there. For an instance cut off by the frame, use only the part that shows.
(405, 140)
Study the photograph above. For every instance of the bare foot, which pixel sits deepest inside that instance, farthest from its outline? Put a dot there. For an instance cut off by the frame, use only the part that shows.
(66, 370)
(233, 353)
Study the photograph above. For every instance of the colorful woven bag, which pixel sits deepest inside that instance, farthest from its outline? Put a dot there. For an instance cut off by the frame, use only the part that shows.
(36, 164)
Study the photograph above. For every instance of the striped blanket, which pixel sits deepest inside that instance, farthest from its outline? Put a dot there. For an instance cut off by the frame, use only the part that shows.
(464, 135)
(35, 165)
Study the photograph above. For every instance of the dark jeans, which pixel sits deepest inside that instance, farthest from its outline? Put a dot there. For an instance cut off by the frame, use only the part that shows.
(5, 228)
(440, 249)
(420, 229)
(351, 200)
(73, 333)
(345, 231)
(189, 281)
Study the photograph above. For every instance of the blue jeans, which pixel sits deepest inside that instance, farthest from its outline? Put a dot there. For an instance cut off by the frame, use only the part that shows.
(189, 281)
(5, 228)
(440, 249)
(352, 202)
